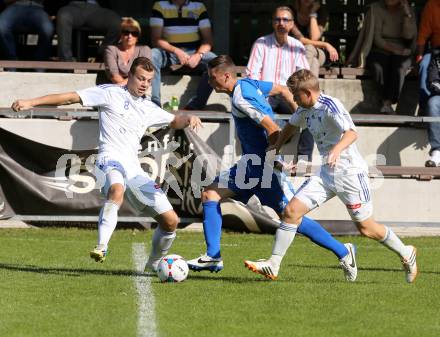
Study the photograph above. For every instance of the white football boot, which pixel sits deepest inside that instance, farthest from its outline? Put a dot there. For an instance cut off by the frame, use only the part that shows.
(348, 263)
(205, 262)
(264, 267)
(410, 265)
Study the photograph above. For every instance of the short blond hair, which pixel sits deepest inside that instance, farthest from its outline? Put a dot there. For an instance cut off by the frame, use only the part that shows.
(131, 25)
(302, 80)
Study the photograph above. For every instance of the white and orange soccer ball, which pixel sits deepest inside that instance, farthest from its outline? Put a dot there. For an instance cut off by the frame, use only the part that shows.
(172, 268)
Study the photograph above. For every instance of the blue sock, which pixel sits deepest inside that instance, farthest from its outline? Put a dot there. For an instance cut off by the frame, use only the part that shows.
(317, 234)
(212, 227)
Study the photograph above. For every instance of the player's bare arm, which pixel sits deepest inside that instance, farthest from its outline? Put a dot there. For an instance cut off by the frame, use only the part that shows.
(348, 138)
(272, 129)
(285, 93)
(54, 99)
(182, 121)
(206, 46)
(285, 134)
(158, 41)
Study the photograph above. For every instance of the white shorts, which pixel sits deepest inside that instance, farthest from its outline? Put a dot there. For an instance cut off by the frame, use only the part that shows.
(353, 190)
(143, 193)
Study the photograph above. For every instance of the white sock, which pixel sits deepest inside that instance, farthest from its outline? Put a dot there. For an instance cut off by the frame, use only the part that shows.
(108, 218)
(393, 242)
(283, 239)
(161, 243)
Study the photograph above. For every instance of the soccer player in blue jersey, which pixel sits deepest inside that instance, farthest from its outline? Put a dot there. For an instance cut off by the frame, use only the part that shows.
(343, 173)
(256, 130)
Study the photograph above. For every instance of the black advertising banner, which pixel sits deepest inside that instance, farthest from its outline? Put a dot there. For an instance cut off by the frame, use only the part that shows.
(38, 179)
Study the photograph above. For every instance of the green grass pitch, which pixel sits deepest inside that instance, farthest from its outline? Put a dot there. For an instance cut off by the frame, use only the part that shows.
(50, 287)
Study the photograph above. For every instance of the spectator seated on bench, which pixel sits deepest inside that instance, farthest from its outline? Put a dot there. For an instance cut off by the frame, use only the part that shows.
(25, 17)
(119, 58)
(181, 32)
(310, 20)
(88, 14)
(385, 45)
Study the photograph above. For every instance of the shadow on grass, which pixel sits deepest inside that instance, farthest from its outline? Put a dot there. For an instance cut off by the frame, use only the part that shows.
(231, 279)
(309, 266)
(76, 272)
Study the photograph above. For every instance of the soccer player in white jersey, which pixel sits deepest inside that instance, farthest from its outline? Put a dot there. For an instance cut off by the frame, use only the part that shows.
(125, 112)
(343, 173)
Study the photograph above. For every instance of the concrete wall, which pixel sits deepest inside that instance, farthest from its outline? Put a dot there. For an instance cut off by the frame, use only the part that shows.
(399, 146)
(357, 96)
(15, 85)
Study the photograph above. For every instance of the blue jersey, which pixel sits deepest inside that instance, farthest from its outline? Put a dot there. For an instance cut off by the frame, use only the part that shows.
(249, 107)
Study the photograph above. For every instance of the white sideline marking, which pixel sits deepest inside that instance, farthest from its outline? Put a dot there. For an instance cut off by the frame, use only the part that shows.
(146, 302)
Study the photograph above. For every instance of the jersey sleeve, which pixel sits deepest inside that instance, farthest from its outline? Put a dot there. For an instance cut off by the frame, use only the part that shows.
(93, 97)
(203, 20)
(342, 117)
(297, 119)
(160, 117)
(157, 18)
(251, 100)
(265, 87)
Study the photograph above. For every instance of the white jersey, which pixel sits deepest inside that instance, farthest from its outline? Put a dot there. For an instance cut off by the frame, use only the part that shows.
(123, 119)
(327, 120)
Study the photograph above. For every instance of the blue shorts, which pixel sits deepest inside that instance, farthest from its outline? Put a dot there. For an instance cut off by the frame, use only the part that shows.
(274, 190)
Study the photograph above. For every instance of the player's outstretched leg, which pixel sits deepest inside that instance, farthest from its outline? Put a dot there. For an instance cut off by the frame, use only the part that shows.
(283, 239)
(163, 238)
(345, 252)
(108, 218)
(389, 239)
(212, 227)
(284, 236)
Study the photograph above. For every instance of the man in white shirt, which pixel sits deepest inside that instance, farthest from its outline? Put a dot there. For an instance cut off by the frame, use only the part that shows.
(274, 58)
(343, 173)
(125, 112)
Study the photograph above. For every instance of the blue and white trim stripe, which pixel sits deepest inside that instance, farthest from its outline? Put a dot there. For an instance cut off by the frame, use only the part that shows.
(285, 184)
(288, 228)
(304, 184)
(364, 186)
(328, 102)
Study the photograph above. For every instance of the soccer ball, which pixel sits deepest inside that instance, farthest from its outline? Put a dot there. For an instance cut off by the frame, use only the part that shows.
(172, 268)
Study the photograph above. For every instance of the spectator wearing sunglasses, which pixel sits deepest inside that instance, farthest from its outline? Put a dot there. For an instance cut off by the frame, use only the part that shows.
(91, 14)
(119, 58)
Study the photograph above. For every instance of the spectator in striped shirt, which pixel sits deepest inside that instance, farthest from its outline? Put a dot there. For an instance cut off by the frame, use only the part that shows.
(274, 58)
(181, 32)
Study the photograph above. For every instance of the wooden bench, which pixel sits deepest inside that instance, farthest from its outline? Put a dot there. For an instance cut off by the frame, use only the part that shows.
(361, 73)
(76, 67)
(85, 67)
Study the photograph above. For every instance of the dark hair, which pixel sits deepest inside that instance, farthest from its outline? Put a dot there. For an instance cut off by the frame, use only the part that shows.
(143, 62)
(302, 79)
(223, 63)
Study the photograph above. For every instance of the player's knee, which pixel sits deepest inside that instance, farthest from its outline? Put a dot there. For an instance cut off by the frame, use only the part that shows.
(170, 222)
(364, 229)
(290, 214)
(116, 193)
